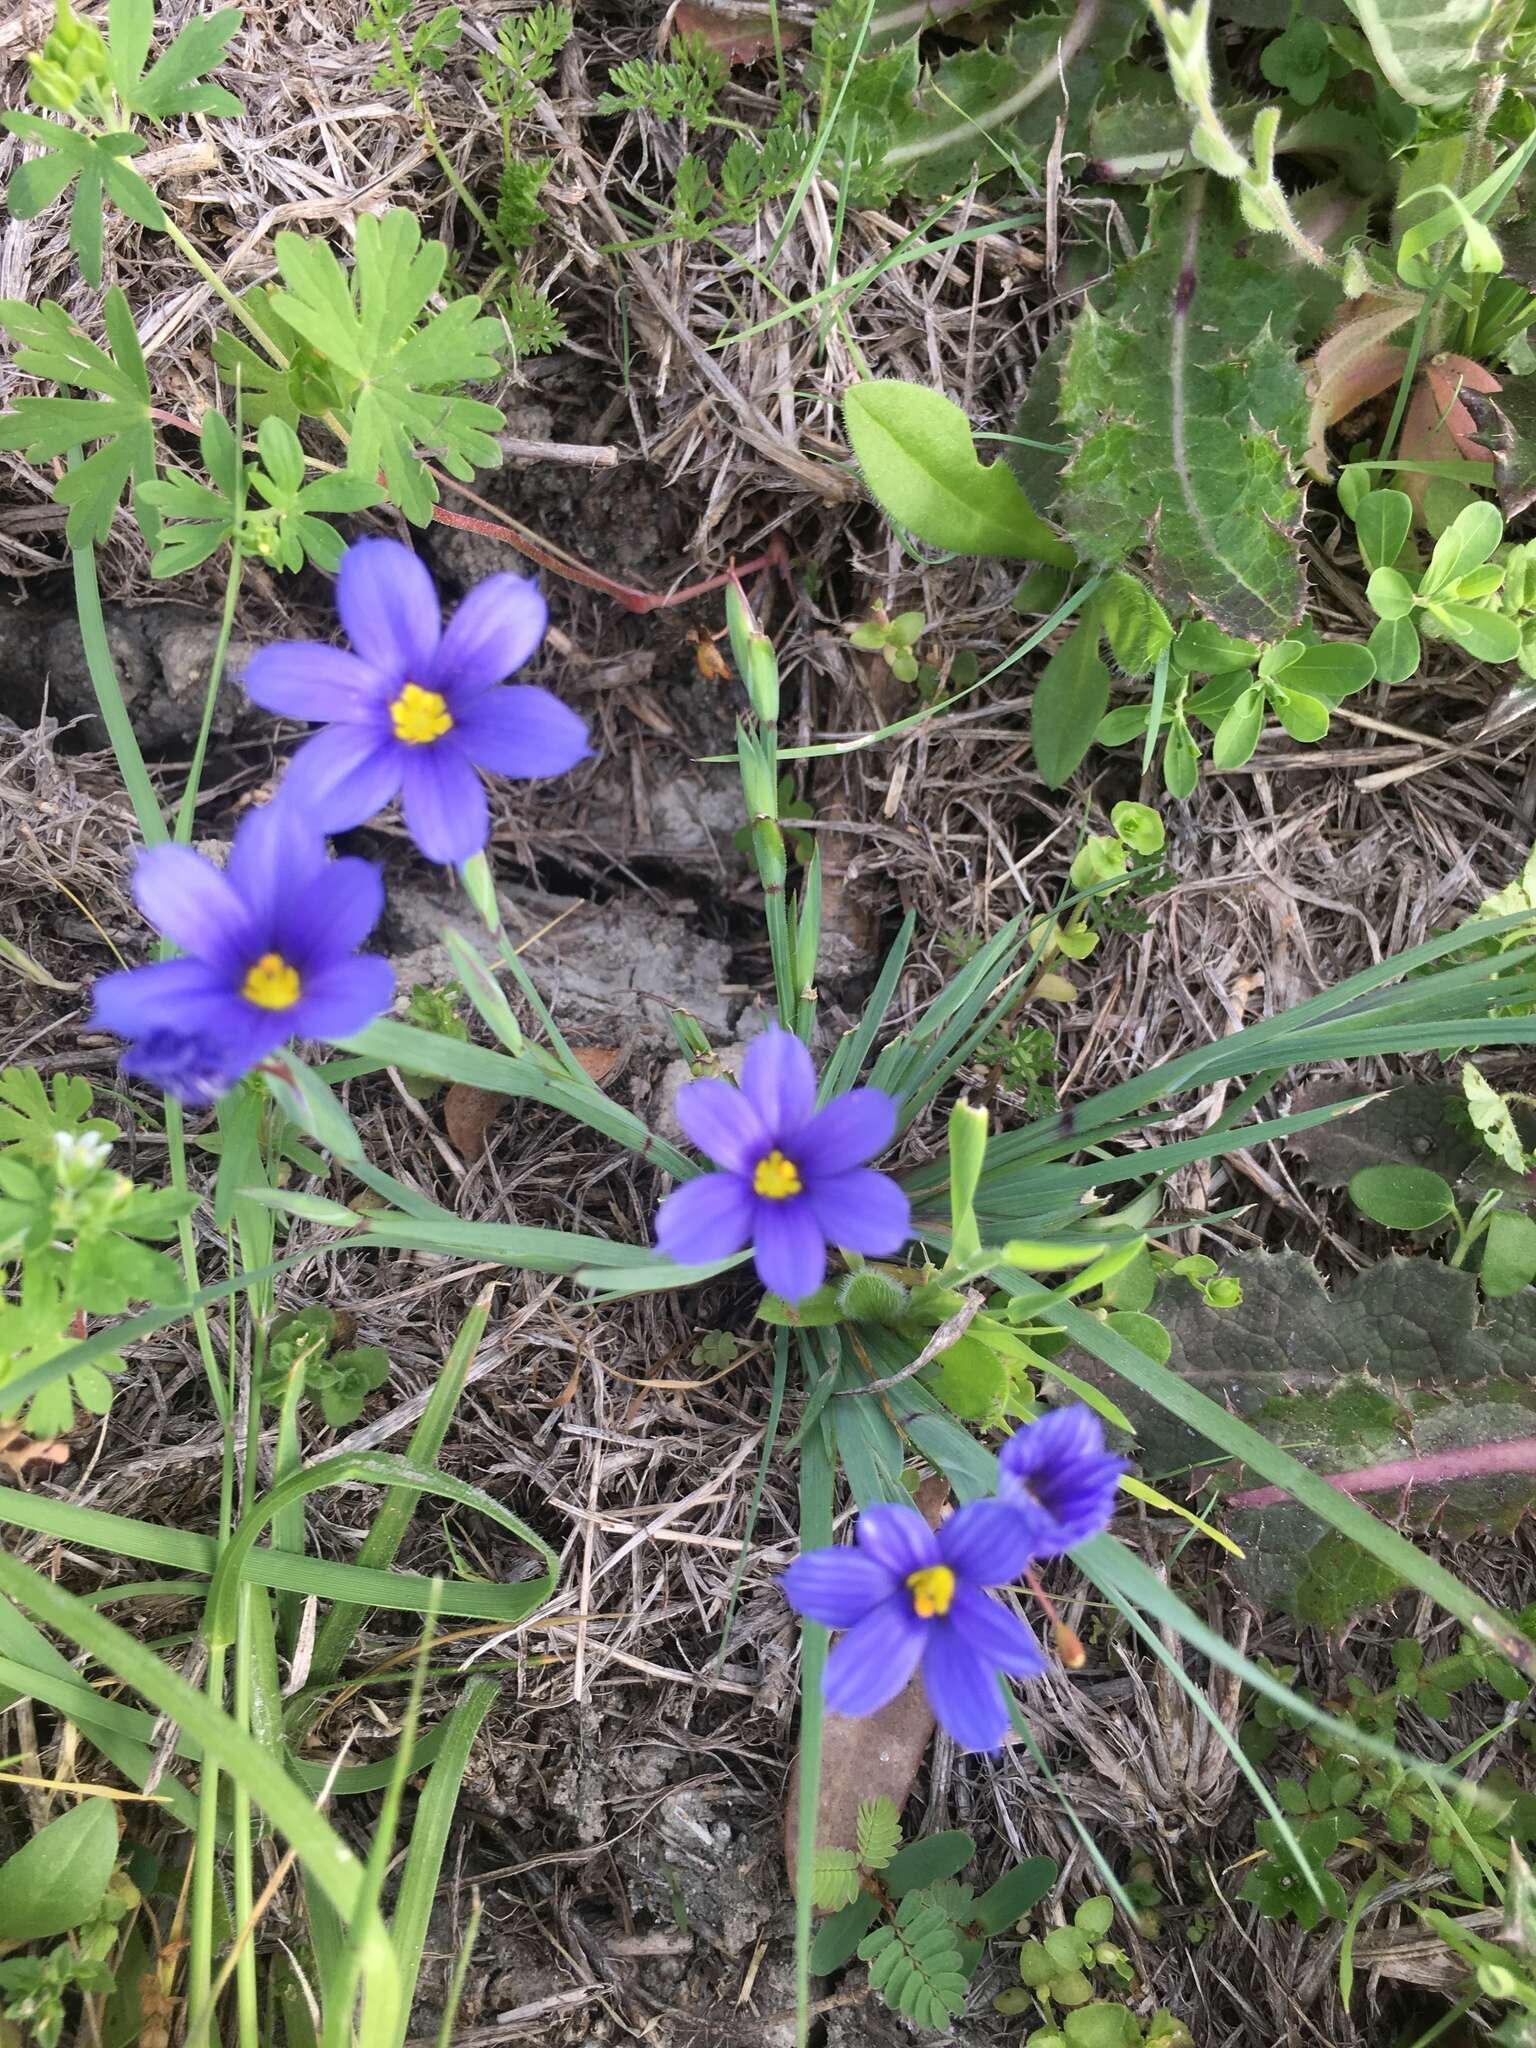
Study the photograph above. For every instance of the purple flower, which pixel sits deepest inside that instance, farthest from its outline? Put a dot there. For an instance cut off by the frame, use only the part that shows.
(792, 1178)
(911, 1596)
(271, 945)
(1056, 1475)
(414, 708)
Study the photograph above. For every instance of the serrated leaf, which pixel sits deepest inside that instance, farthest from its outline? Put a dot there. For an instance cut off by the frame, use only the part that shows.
(1434, 56)
(51, 346)
(59, 1878)
(407, 363)
(879, 1833)
(1400, 1361)
(915, 450)
(1188, 406)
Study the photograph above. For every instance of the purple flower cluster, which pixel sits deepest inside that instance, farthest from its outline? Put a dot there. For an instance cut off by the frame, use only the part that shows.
(791, 1178)
(415, 709)
(912, 1598)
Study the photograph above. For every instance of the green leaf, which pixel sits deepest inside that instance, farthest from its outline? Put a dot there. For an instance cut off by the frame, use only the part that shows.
(1015, 1892)
(1486, 636)
(174, 85)
(1181, 760)
(1070, 699)
(915, 1965)
(1188, 407)
(1297, 62)
(1432, 56)
(1135, 624)
(1331, 670)
(1394, 648)
(1401, 1197)
(1139, 826)
(32, 1115)
(1469, 540)
(1390, 594)
(915, 450)
(407, 363)
(1101, 2026)
(1404, 1359)
(1304, 718)
(1383, 522)
(91, 162)
(1509, 1254)
(879, 1833)
(49, 345)
(834, 1879)
(838, 1938)
(1238, 733)
(927, 1861)
(60, 1877)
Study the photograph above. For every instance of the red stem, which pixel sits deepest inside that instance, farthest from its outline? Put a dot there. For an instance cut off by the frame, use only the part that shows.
(1479, 1461)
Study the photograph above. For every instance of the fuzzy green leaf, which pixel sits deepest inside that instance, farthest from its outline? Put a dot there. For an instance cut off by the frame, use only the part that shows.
(915, 450)
(1187, 405)
(372, 325)
(1434, 55)
(49, 345)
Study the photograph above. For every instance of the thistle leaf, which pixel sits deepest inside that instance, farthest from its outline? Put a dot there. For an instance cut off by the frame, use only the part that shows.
(1188, 407)
(1434, 56)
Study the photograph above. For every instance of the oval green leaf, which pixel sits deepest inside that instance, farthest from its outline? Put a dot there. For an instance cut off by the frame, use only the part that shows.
(60, 1877)
(1394, 647)
(1383, 521)
(915, 449)
(1401, 1197)
(1509, 1254)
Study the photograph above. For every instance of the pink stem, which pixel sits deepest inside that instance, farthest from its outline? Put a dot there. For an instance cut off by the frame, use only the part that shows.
(1479, 1461)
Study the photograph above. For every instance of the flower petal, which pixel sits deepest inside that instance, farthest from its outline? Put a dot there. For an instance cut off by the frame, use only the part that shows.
(851, 1129)
(963, 1691)
(779, 1081)
(522, 730)
(899, 1539)
(307, 679)
(838, 1586)
(719, 1120)
(705, 1219)
(493, 632)
(1056, 1471)
(321, 925)
(874, 1660)
(388, 604)
(343, 998)
(790, 1249)
(278, 855)
(197, 908)
(864, 1210)
(445, 808)
(342, 776)
(996, 1634)
(182, 995)
(195, 1069)
(988, 1542)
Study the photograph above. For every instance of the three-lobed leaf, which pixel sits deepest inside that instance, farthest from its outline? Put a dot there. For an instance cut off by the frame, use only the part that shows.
(915, 451)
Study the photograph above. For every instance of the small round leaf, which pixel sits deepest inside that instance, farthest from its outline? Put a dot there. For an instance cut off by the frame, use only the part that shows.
(1401, 1197)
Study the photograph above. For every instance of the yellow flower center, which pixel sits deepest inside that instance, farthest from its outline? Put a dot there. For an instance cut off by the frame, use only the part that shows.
(419, 716)
(932, 1590)
(776, 1177)
(271, 984)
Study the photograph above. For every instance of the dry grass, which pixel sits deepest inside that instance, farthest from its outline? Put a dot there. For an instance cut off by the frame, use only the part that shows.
(627, 1766)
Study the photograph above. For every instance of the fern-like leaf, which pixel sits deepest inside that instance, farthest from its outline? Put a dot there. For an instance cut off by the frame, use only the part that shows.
(834, 1879)
(915, 1964)
(879, 1834)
